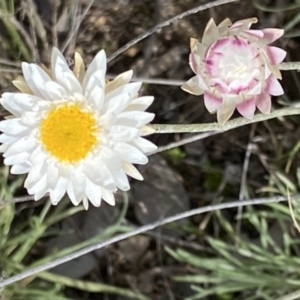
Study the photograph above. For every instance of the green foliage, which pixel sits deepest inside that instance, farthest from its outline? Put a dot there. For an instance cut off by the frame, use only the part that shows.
(266, 267)
(17, 241)
(175, 155)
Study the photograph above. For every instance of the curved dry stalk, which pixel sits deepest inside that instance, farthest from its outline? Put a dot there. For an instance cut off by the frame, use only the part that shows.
(167, 23)
(142, 229)
(235, 123)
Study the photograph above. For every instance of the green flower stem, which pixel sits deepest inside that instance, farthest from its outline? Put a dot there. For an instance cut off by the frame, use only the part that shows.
(289, 66)
(235, 123)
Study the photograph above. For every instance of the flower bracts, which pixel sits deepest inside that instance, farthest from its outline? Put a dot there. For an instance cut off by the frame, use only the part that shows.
(75, 133)
(235, 68)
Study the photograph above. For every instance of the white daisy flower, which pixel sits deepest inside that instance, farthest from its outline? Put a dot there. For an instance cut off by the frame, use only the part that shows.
(75, 133)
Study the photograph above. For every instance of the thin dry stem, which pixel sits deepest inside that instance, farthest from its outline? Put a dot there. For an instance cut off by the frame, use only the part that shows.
(142, 229)
(158, 81)
(167, 23)
(185, 141)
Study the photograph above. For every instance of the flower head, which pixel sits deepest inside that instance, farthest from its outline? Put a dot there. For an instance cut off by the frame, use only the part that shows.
(235, 68)
(75, 133)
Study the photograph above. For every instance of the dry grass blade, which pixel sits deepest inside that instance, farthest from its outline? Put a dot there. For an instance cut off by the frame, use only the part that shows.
(74, 30)
(292, 212)
(243, 189)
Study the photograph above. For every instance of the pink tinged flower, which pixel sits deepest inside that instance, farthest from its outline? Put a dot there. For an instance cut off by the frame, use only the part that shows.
(236, 68)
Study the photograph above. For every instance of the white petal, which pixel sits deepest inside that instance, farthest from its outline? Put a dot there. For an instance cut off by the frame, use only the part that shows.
(93, 192)
(11, 107)
(264, 103)
(111, 159)
(97, 79)
(131, 171)
(26, 69)
(79, 67)
(108, 197)
(16, 159)
(3, 148)
(99, 173)
(76, 186)
(13, 126)
(85, 202)
(98, 63)
(22, 86)
(117, 104)
(211, 33)
(20, 168)
(24, 144)
(91, 169)
(225, 111)
(16, 103)
(212, 101)
(107, 120)
(256, 90)
(140, 104)
(8, 139)
(39, 188)
(225, 23)
(134, 118)
(37, 171)
(192, 86)
(146, 130)
(62, 73)
(31, 118)
(144, 145)
(38, 156)
(96, 98)
(55, 91)
(268, 71)
(121, 79)
(59, 191)
(123, 133)
(121, 180)
(131, 154)
(75, 199)
(274, 88)
(39, 78)
(247, 108)
(130, 88)
(52, 174)
(42, 189)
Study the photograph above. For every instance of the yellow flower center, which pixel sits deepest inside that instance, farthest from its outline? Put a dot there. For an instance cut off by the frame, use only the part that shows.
(69, 133)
